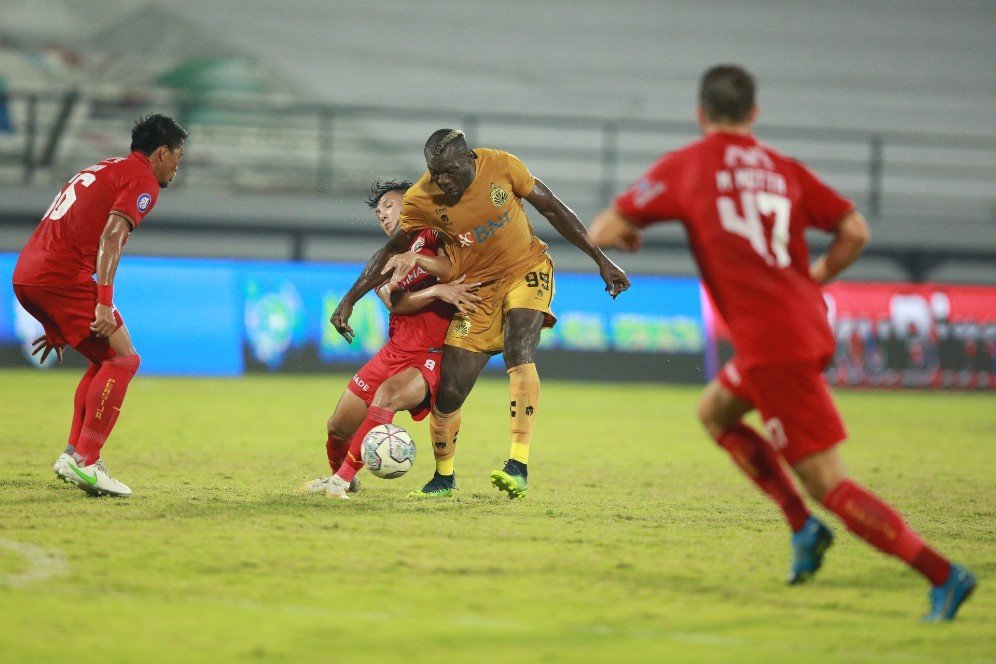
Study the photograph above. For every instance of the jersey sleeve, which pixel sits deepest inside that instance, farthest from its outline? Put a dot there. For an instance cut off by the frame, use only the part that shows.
(652, 197)
(412, 218)
(523, 181)
(135, 200)
(824, 206)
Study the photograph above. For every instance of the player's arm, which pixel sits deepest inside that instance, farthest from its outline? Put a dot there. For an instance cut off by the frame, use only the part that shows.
(112, 239)
(461, 295)
(850, 238)
(370, 277)
(612, 228)
(401, 264)
(563, 219)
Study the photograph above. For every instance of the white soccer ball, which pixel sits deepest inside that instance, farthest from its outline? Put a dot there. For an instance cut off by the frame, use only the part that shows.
(388, 451)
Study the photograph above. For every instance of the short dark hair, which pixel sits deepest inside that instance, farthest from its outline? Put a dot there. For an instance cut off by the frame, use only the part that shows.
(727, 94)
(380, 188)
(442, 139)
(153, 131)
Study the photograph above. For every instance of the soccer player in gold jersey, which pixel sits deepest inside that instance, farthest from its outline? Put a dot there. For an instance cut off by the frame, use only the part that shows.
(474, 199)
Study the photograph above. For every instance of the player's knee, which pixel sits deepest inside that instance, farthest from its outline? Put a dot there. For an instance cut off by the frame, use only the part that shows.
(709, 417)
(336, 428)
(449, 398)
(130, 362)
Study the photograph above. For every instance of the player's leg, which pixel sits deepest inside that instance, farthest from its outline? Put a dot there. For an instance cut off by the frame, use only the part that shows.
(345, 419)
(458, 374)
(402, 391)
(723, 404)
(522, 334)
(721, 412)
(872, 519)
(117, 362)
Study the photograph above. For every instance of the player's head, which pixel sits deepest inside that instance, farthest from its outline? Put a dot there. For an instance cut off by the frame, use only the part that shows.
(385, 200)
(726, 98)
(161, 140)
(450, 162)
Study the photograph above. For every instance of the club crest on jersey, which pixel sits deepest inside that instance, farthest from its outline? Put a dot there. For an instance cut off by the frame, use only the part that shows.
(499, 196)
(461, 327)
(143, 202)
(418, 243)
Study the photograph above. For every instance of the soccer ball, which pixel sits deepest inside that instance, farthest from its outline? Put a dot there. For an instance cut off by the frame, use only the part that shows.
(388, 451)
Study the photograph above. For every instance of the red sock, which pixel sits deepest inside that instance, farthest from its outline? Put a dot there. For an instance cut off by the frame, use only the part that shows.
(354, 461)
(79, 403)
(336, 449)
(103, 404)
(761, 464)
(874, 521)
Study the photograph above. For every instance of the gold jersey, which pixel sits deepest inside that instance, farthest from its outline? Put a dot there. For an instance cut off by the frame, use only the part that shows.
(487, 233)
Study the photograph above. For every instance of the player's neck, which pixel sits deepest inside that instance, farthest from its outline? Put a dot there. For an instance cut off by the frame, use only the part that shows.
(722, 128)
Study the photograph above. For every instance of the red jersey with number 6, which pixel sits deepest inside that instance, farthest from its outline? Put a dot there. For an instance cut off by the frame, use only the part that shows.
(425, 328)
(63, 248)
(745, 208)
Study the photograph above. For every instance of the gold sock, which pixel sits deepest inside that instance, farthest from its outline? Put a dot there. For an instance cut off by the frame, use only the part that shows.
(524, 390)
(443, 429)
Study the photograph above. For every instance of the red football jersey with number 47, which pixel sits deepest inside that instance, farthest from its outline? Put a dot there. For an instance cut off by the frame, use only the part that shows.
(745, 208)
(63, 248)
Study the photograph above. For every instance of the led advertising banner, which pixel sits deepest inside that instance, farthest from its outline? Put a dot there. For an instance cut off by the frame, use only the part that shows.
(900, 335)
(226, 317)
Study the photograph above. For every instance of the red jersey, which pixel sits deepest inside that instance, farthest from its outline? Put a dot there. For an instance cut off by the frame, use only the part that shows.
(745, 208)
(425, 328)
(63, 248)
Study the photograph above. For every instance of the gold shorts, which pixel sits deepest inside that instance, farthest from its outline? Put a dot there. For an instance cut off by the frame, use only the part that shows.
(484, 330)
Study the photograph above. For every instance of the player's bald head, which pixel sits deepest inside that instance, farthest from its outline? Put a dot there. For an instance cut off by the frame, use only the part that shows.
(726, 94)
(443, 139)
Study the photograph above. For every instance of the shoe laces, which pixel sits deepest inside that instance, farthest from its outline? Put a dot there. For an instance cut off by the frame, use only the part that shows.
(103, 468)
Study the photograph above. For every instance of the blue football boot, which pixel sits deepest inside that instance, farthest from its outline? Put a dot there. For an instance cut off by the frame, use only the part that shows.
(808, 547)
(946, 598)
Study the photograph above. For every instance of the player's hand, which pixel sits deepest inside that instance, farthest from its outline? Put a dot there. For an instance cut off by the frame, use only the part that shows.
(461, 295)
(340, 321)
(614, 277)
(44, 345)
(399, 265)
(630, 242)
(103, 324)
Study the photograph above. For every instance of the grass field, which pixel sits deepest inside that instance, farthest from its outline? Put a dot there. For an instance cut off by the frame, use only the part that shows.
(638, 540)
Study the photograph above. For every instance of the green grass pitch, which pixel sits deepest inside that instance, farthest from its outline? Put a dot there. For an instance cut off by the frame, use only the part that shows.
(638, 540)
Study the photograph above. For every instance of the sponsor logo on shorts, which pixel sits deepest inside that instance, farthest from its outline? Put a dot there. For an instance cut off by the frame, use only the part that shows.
(461, 327)
(143, 202)
(361, 383)
(499, 197)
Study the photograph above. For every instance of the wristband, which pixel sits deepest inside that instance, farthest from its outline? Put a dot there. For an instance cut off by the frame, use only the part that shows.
(105, 295)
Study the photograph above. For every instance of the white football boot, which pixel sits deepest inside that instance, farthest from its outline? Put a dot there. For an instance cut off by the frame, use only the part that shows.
(321, 485)
(61, 461)
(337, 488)
(94, 479)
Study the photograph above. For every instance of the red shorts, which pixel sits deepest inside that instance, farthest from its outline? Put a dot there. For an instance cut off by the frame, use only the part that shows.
(390, 361)
(66, 313)
(794, 401)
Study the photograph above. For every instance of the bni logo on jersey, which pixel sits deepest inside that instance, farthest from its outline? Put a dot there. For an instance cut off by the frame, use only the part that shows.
(144, 201)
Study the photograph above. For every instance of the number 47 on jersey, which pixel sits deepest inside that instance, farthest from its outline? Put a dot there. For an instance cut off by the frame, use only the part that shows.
(756, 204)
